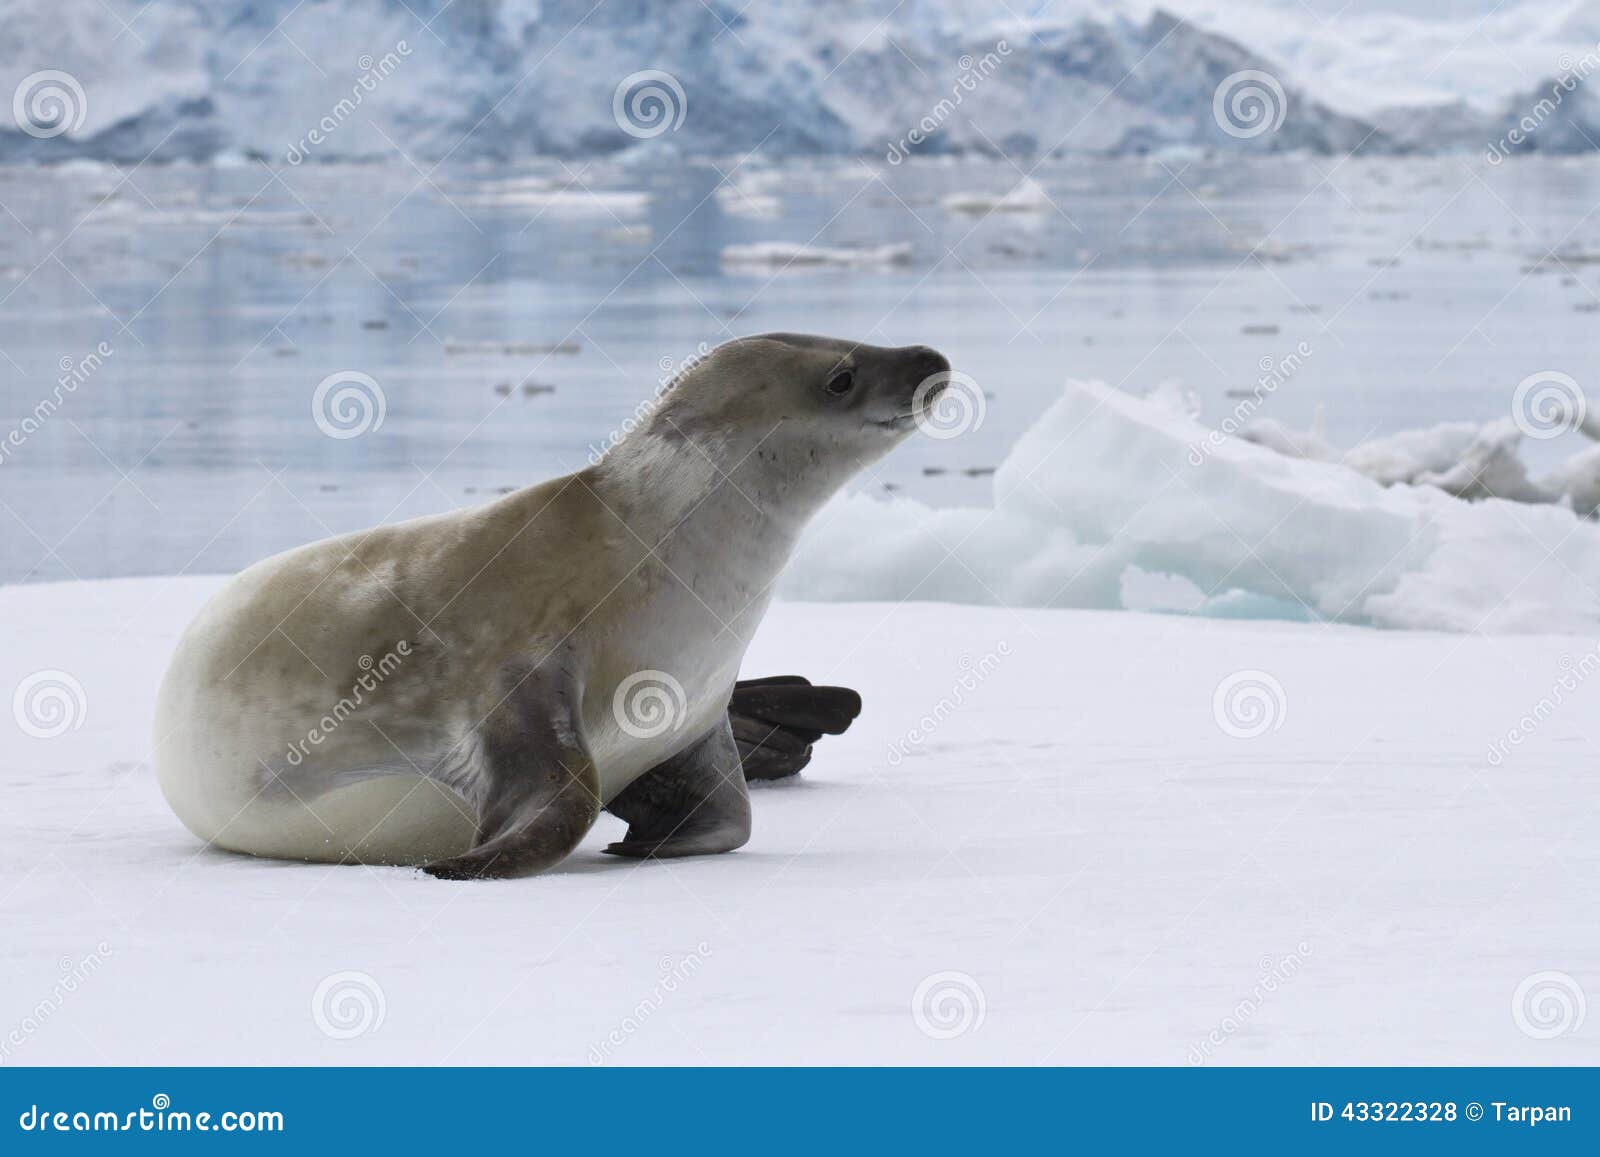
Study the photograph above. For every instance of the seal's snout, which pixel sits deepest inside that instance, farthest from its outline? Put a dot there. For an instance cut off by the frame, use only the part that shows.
(927, 373)
(924, 362)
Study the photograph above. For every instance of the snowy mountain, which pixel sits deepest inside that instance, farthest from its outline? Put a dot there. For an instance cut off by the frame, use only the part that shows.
(432, 79)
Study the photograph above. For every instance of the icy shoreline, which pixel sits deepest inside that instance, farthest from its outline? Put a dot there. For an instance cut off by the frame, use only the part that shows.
(1076, 820)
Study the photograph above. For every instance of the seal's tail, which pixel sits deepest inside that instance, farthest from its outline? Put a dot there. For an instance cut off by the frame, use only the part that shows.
(776, 720)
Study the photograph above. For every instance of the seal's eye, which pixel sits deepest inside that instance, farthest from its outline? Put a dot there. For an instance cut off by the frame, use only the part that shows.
(840, 384)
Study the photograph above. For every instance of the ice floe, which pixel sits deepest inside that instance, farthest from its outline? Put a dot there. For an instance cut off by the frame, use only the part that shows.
(787, 254)
(1106, 490)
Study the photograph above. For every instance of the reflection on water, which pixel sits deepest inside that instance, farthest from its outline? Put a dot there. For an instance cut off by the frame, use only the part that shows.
(509, 321)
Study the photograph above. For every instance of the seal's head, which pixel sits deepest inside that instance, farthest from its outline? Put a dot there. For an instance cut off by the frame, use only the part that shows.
(800, 403)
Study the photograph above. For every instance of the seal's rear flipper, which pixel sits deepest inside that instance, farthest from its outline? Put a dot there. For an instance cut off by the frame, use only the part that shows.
(777, 719)
(694, 804)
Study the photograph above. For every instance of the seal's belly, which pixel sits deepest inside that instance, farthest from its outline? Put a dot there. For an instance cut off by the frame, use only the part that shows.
(621, 757)
(388, 819)
(651, 713)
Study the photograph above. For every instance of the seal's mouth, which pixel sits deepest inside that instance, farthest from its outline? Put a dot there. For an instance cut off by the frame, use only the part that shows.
(897, 423)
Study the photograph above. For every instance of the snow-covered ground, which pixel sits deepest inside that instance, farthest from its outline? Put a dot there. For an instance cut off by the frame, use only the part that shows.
(1052, 833)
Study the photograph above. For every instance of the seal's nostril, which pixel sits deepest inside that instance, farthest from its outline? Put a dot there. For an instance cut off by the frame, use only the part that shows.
(926, 362)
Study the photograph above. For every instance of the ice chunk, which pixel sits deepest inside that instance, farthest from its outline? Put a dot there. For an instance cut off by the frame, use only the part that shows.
(1024, 197)
(1274, 435)
(1405, 456)
(1105, 482)
(784, 254)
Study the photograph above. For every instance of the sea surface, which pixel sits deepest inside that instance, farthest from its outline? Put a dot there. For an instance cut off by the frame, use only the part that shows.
(503, 323)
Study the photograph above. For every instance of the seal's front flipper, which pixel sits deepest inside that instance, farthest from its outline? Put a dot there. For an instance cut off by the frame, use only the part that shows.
(536, 788)
(693, 804)
(777, 719)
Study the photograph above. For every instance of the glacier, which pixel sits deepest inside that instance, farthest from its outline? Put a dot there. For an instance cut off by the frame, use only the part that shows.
(435, 81)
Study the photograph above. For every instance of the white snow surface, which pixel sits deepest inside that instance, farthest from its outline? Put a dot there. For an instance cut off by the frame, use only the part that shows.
(1363, 61)
(1075, 835)
(1109, 496)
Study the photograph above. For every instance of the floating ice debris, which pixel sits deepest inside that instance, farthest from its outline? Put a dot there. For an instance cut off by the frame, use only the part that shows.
(505, 185)
(85, 169)
(1014, 251)
(509, 348)
(628, 234)
(1025, 197)
(738, 201)
(1277, 252)
(543, 195)
(786, 254)
(123, 213)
